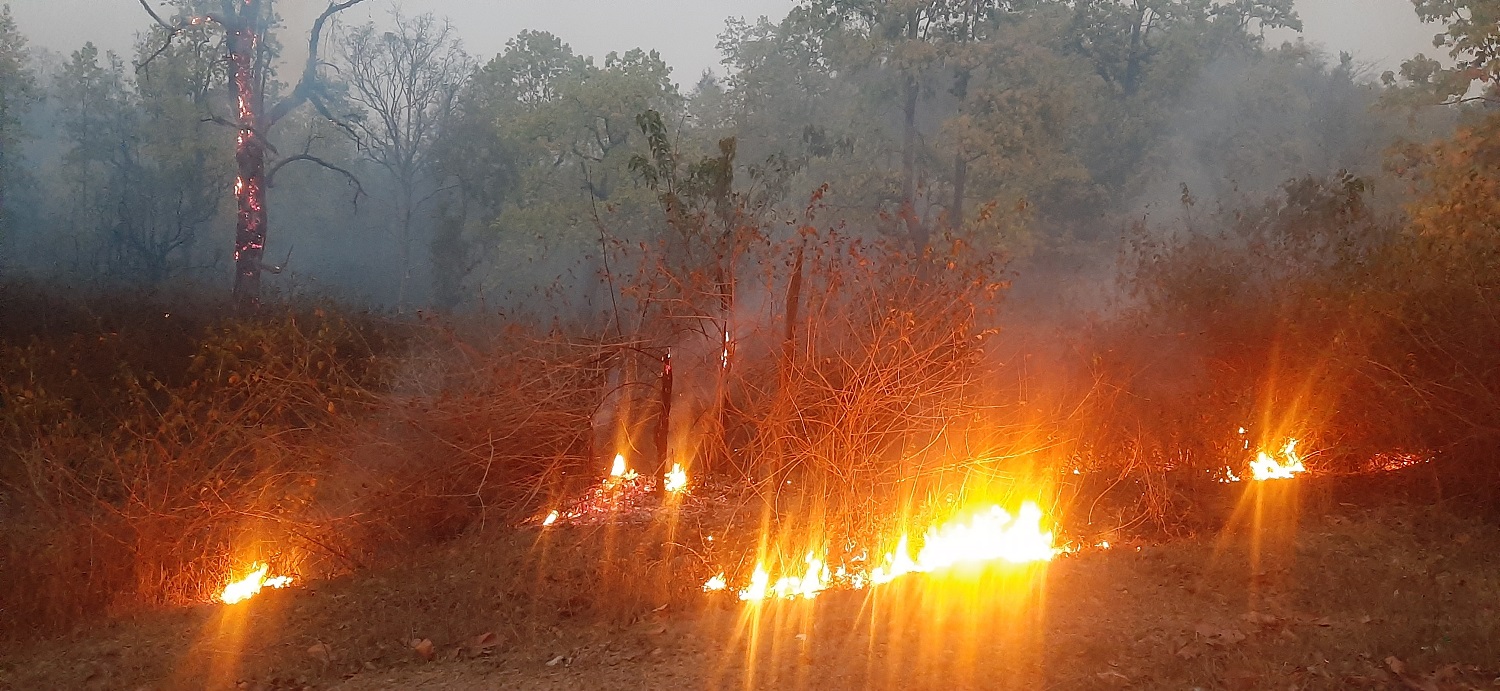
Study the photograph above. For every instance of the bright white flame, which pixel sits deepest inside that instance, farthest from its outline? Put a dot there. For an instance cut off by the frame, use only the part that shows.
(716, 583)
(551, 518)
(676, 479)
(249, 586)
(990, 535)
(620, 470)
(760, 582)
(1264, 467)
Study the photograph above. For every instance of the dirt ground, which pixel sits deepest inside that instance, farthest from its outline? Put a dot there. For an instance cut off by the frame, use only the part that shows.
(1284, 596)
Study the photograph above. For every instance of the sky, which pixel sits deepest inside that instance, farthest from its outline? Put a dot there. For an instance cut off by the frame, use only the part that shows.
(1379, 32)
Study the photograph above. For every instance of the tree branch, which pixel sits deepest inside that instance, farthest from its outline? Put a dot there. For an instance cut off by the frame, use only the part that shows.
(309, 79)
(173, 31)
(359, 189)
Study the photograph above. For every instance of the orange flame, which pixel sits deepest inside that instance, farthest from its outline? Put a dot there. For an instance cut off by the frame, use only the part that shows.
(986, 536)
(1265, 467)
(676, 479)
(620, 470)
(250, 585)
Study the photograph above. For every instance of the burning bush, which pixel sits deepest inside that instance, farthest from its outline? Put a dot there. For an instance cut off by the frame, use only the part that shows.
(150, 451)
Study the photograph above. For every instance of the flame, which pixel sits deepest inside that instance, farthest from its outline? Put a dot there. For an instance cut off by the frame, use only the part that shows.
(250, 585)
(550, 519)
(988, 535)
(1265, 467)
(676, 479)
(985, 536)
(621, 471)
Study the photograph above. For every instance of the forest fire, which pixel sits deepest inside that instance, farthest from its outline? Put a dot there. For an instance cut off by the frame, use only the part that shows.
(675, 480)
(1266, 467)
(251, 585)
(981, 539)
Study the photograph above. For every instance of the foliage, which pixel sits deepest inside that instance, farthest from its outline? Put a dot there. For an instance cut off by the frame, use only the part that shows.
(18, 90)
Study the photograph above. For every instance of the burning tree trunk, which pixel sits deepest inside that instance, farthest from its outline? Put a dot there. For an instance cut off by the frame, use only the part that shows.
(245, 24)
(664, 424)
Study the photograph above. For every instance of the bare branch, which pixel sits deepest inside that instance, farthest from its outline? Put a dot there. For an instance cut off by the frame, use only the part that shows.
(359, 189)
(173, 31)
(309, 80)
(157, 18)
(278, 269)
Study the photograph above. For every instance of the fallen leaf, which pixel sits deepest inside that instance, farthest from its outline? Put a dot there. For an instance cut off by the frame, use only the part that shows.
(656, 630)
(484, 642)
(321, 651)
(422, 647)
(554, 661)
(1190, 651)
(1395, 664)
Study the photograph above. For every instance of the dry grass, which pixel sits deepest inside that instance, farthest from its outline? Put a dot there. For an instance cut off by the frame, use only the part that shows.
(1322, 599)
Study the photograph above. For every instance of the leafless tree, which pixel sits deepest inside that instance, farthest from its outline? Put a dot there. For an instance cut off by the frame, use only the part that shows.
(246, 24)
(404, 82)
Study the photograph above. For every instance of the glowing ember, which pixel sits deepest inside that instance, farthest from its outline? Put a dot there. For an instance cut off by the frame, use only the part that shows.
(249, 586)
(676, 480)
(550, 519)
(990, 535)
(1264, 467)
(1228, 475)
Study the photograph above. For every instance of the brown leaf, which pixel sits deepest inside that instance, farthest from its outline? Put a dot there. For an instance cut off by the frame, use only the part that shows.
(484, 641)
(422, 647)
(1395, 664)
(321, 651)
(1190, 651)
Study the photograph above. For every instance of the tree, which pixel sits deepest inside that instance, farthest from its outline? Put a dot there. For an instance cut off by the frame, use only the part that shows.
(247, 27)
(143, 172)
(18, 91)
(404, 83)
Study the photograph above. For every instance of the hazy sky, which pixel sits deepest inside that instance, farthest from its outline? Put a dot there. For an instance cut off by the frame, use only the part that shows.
(1382, 32)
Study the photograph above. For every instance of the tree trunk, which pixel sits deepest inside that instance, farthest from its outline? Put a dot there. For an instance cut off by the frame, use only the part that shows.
(914, 227)
(960, 188)
(664, 425)
(250, 158)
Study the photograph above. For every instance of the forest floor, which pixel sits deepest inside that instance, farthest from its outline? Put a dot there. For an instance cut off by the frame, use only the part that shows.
(1318, 595)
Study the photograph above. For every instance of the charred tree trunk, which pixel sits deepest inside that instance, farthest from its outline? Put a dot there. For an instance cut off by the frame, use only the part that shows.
(664, 424)
(250, 158)
(245, 24)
